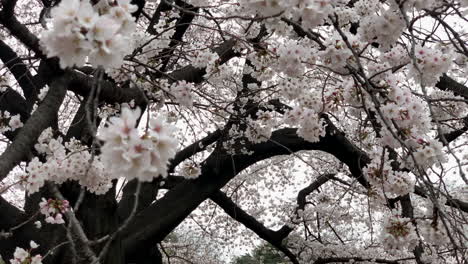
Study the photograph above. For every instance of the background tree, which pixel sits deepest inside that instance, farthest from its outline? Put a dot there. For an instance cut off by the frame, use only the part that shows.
(339, 125)
(265, 254)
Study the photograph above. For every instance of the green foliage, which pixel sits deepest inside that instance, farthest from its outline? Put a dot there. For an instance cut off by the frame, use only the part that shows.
(264, 254)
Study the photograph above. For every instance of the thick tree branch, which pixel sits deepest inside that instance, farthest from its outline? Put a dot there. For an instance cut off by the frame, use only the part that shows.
(40, 120)
(21, 73)
(446, 83)
(140, 5)
(9, 6)
(162, 7)
(194, 148)
(10, 215)
(20, 31)
(14, 103)
(455, 203)
(147, 194)
(12, 218)
(80, 128)
(81, 84)
(181, 27)
(408, 212)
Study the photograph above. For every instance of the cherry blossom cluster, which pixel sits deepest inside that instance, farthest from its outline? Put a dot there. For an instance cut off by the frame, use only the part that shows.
(311, 126)
(291, 55)
(406, 112)
(53, 209)
(396, 56)
(431, 63)
(398, 233)
(47, 144)
(433, 232)
(151, 47)
(293, 88)
(265, 7)
(22, 256)
(382, 177)
(352, 95)
(313, 99)
(236, 144)
(190, 170)
(366, 7)
(127, 154)
(314, 12)
(423, 4)
(384, 28)
(259, 129)
(65, 162)
(205, 59)
(408, 117)
(9, 122)
(89, 171)
(182, 91)
(147, 48)
(337, 54)
(324, 205)
(427, 153)
(345, 15)
(311, 12)
(447, 107)
(260, 68)
(80, 31)
(36, 176)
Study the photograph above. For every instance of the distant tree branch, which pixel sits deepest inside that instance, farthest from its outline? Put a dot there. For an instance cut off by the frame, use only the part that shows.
(234, 211)
(354, 259)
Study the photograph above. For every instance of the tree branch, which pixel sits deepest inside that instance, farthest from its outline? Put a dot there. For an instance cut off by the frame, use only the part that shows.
(234, 211)
(21, 73)
(353, 259)
(149, 190)
(40, 120)
(20, 31)
(110, 93)
(14, 103)
(446, 83)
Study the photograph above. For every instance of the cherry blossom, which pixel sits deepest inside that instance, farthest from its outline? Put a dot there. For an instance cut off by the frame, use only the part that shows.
(398, 233)
(79, 32)
(22, 256)
(133, 156)
(182, 91)
(191, 171)
(53, 210)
